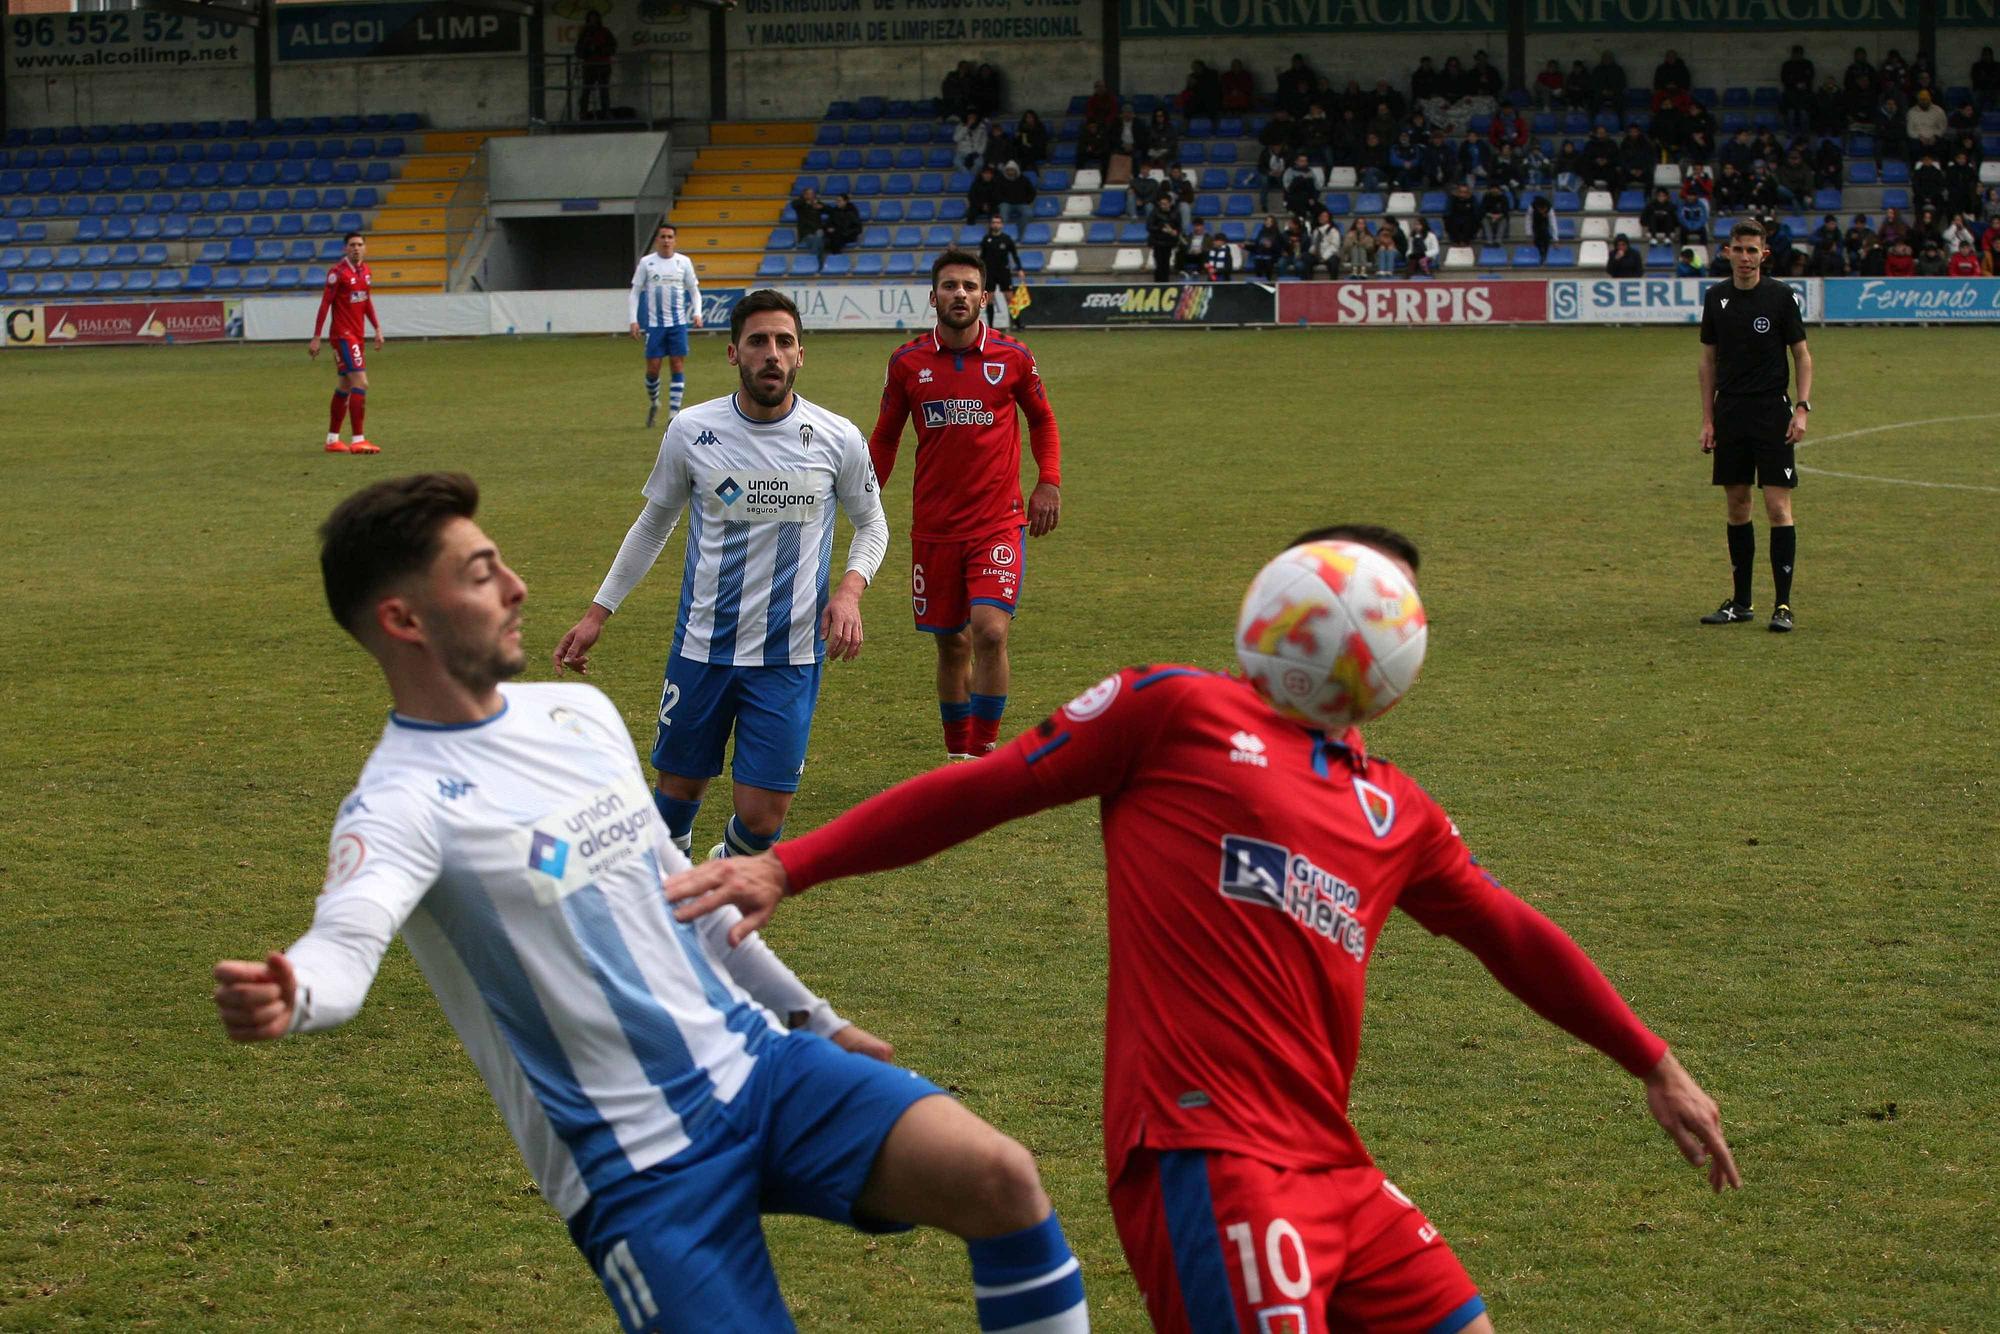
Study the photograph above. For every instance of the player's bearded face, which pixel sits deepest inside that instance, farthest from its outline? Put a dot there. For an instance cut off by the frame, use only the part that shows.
(472, 611)
(768, 360)
(958, 298)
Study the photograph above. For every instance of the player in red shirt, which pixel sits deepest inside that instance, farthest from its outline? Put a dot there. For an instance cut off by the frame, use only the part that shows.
(961, 382)
(1252, 863)
(349, 297)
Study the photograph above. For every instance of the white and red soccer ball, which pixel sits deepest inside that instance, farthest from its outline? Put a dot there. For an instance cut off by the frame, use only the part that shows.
(1331, 633)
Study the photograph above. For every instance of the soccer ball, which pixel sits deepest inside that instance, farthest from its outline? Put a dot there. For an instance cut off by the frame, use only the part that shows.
(1331, 633)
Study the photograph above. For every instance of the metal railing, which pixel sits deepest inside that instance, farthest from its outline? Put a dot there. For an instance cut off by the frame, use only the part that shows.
(638, 91)
(466, 218)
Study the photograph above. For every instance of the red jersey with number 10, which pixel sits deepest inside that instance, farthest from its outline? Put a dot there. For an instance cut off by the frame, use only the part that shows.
(349, 297)
(968, 442)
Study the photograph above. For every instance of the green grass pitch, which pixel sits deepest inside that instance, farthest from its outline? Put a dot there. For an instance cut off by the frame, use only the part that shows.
(1782, 849)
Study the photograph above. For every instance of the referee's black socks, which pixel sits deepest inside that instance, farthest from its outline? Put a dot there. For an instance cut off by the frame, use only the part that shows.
(1743, 555)
(1784, 552)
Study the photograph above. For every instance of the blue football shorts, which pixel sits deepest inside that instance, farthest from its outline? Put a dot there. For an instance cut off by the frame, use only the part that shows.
(770, 709)
(680, 1245)
(667, 341)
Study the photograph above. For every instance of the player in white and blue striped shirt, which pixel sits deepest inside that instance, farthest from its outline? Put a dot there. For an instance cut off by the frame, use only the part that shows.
(759, 473)
(506, 833)
(665, 299)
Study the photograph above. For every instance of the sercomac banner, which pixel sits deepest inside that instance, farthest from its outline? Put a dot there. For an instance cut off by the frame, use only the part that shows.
(1152, 303)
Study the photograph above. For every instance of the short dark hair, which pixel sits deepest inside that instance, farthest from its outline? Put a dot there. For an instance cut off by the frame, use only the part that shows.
(385, 532)
(1368, 535)
(1747, 227)
(665, 227)
(352, 236)
(955, 258)
(763, 299)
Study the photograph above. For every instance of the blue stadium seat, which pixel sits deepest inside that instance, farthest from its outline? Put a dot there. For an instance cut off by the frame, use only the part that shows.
(1562, 257)
(1101, 233)
(262, 224)
(200, 228)
(1193, 154)
(229, 228)
(167, 280)
(291, 173)
(363, 147)
(1567, 201)
(836, 185)
(1111, 204)
(112, 281)
(951, 210)
(242, 251)
(300, 251)
(803, 266)
(938, 157)
(1370, 203)
(144, 228)
(291, 224)
(937, 236)
(331, 249)
(198, 278)
(900, 265)
(855, 134)
(80, 284)
(1566, 229)
(69, 257)
(1895, 173)
(898, 183)
(1527, 257)
(1660, 257)
(285, 279)
(1210, 206)
(874, 238)
(920, 210)
(225, 280)
(818, 159)
(255, 279)
(51, 284)
(828, 136)
(348, 222)
(1896, 199)
(270, 252)
(11, 258)
(909, 159)
(20, 284)
(173, 227)
(1861, 171)
(365, 197)
(1132, 233)
(333, 199)
(1038, 233)
(97, 256)
(1631, 201)
(377, 173)
(868, 266)
(878, 159)
(970, 234)
(887, 210)
(1826, 200)
(1063, 155)
(214, 252)
(930, 183)
(90, 229)
(1431, 203)
(836, 266)
(120, 229)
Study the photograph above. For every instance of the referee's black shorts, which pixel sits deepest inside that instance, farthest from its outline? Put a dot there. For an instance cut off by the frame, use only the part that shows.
(1750, 444)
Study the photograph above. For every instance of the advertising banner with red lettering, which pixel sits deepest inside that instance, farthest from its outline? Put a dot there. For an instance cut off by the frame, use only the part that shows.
(1394, 301)
(141, 322)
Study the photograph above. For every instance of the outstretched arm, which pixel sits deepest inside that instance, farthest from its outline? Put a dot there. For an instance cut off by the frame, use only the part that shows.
(1045, 441)
(887, 437)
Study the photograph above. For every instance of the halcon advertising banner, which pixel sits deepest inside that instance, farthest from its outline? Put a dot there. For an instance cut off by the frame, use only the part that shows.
(129, 322)
(1393, 302)
(1945, 300)
(1650, 300)
(1152, 303)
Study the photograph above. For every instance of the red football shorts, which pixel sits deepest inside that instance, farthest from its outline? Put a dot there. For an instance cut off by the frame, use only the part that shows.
(1219, 1242)
(948, 579)
(347, 355)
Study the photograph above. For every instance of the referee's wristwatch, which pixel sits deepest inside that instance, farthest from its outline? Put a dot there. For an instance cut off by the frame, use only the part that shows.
(1803, 405)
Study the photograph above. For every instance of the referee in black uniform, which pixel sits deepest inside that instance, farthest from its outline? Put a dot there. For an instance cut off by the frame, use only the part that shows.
(1748, 422)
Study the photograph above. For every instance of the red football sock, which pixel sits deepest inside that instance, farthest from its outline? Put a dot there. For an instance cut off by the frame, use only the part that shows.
(357, 408)
(339, 411)
(958, 736)
(985, 733)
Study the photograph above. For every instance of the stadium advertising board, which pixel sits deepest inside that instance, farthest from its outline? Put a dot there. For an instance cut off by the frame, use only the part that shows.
(51, 325)
(370, 31)
(1745, 15)
(756, 25)
(1449, 302)
(639, 25)
(826, 306)
(1153, 303)
(123, 40)
(1648, 300)
(1238, 18)
(1911, 299)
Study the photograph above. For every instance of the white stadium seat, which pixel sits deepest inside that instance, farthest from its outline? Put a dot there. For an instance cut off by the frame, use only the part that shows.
(1090, 180)
(1598, 201)
(1069, 233)
(1627, 228)
(1989, 171)
(1668, 174)
(1592, 255)
(1062, 261)
(1402, 204)
(1129, 259)
(1460, 257)
(1079, 206)
(1594, 229)
(1341, 178)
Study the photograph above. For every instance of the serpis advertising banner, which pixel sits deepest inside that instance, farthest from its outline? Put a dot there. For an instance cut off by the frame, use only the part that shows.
(1912, 299)
(1153, 303)
(1649, 300)
(141, 322)
(1395, 302)
(373, 31)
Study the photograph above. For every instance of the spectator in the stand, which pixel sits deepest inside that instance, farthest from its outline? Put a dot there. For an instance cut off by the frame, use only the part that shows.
(1986, 80)
(1452, 83)
(1569, 166)
(1001, 146)
(1383, 123)
(1624, 261)
(1509, 128)
(808, 218)
(1475, 158)
(968, 141)
(1280, 132)
(1989, 246)
(1357, 252)
(1599, 165)
(1271, 169)
(1637, 156)
(1964, 262)
(1796, 179)
(1578, 94)
(955, 92)
(1406, 163)
(1484, 79)
(1163, 235)
(1861, 98)
(1541, 225)
(1829, 165)
(1202, 94)
(1670, 114)
(1303, 184)
(1239, 87)
(1298, 260)
(1323, 247)
(1608, 83)
(988, 96)
(1461, 215)
(1371, 164)
(1737, 151)
(1219, 264)
(1163, 141)
(1191, 259)
(1763, 189)
(1900, 263)
(1732, 189)
(1345, 141)
(1437, 160)
(1696, 183)
(982, 199)
(841, 225)
(1548, 86)
(1183, 187)
(1389, 247)
(1031, 141)
(596, 48)
(1829, 252)
(1267, 248)
(1959, 232)
(1694, 219)
(1894, 72)
(1927, 183)
(1698, 142)
(1422, 258)
(1795, 98)
(1661, 221)
(1961, 184)
(1508, 168)
(1892, 138)
(1690, 263)
(1859, 234)
(1870, 259)
(1924, 123)
(1093, 145)
(1672, 72)
(1017, 196)
(1424, 80)
(1295, 84)
(1931, 262)
(1149, 184)
(1495, 211)
(1128, 136)
(1860, 73)
(1536, 168)
(1829, 108)
(1315, 133)
(1384, 98)
(1923, 231)
(1893, 230)
(1102, 104)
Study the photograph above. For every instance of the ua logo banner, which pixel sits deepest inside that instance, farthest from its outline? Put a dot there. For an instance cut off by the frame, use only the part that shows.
(1377, 805)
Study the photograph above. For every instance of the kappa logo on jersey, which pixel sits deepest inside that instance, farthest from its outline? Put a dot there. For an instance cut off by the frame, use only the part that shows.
(451, 789)
(1092, 701)
(707, 438)
(1248, 748)
(940, 412)
(995, 371)
(351, 805)
(1283, 1320)
(1269, 875)
(1762, 324)
(1377, 805)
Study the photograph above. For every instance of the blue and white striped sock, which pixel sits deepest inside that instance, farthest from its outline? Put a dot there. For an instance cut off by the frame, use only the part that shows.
(679, 816)
(1028, 1282)
(738, 841)
(653, 389)
(676, 387)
